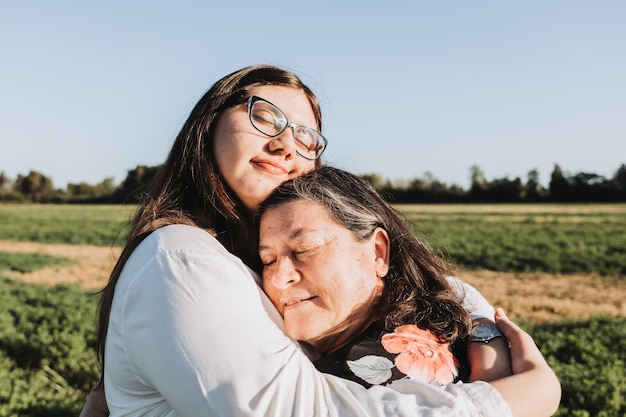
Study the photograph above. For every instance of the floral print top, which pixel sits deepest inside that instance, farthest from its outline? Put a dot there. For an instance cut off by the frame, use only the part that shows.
(378, 357)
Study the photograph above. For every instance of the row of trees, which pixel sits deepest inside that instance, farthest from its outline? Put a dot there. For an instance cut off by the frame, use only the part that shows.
(580, 187)
(38, 188)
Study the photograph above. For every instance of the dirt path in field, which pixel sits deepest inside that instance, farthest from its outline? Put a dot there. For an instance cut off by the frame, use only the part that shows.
(541, 296)
(90, 266)
(546, 296)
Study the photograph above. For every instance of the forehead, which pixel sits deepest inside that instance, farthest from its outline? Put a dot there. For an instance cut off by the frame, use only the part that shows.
(297, 211)
(295, 218)
(278, 92)
(292, 101)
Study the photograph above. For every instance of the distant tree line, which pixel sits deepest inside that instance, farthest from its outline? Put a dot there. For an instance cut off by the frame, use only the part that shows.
(38, 188)
(581, 187)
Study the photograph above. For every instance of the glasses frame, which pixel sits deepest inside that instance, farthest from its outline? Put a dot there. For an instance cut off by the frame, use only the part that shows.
(253, 99)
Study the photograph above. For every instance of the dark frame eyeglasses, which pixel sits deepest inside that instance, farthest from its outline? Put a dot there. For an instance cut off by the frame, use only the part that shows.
(271, 121)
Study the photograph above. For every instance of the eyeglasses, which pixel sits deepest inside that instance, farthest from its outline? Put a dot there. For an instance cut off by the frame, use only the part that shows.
(271, 121)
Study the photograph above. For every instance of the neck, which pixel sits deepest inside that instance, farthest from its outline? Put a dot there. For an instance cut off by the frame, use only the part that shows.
(341, 336)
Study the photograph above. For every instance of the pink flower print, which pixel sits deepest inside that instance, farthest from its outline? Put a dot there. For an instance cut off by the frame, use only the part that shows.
(421, 356)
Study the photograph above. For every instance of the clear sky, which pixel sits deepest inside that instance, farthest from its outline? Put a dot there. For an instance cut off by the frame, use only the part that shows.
(90, 90)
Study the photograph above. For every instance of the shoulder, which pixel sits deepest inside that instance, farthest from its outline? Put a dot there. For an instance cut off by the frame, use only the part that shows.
(471, 299)
(183, 237)
(181, 240)
(180, 250)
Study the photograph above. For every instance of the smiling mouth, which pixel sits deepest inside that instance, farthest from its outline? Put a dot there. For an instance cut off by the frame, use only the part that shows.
(296, 302)
(269, 166)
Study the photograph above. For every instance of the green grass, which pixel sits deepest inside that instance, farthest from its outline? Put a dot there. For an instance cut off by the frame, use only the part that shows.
(28, 262)
(519, 238)
(47, 349)
(103, 225)
(566, 241)
(589, 358)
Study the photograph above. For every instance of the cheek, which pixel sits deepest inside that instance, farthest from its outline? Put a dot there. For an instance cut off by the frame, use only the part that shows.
(268, 289)
(226, 141)
(272, 294)
(221, 150)
(304, 167)
(365, 293)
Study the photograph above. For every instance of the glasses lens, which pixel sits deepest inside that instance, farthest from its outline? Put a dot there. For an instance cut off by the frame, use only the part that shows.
(310, 142)
(267, 118)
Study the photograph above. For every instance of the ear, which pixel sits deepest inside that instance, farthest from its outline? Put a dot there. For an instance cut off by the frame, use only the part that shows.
(382, 244)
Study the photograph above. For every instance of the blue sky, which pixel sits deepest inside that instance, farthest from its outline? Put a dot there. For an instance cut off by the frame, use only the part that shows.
(90, 90)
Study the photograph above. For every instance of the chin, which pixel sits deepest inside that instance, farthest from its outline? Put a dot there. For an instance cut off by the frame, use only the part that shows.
(298, 333)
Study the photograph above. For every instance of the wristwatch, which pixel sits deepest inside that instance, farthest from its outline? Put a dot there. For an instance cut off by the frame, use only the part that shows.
(485, 332)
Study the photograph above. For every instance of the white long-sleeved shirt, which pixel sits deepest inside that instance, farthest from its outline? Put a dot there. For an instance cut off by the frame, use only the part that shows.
(192, 334)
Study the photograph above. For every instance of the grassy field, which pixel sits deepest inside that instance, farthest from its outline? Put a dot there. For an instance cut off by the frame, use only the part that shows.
(527, 238)
(557, 269)
(539, 261)
(103, 225)
(517, 238)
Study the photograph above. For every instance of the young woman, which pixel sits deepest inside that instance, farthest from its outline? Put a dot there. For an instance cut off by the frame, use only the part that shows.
(184, 329)
(351, 279)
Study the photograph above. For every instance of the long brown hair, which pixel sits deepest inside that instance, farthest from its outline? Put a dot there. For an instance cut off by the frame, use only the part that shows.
(416, 288)
(188, 189)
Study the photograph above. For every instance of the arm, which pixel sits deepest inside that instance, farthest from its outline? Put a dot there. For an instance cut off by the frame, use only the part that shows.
(192, 334)
(487, 361)
(533, 390)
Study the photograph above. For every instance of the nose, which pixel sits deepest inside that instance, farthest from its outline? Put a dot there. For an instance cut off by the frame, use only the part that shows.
(285, 143)
(283, 275)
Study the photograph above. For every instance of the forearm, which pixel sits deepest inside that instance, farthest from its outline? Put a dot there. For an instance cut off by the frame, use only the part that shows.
(533, 390)
(534, 393)
(489, 361)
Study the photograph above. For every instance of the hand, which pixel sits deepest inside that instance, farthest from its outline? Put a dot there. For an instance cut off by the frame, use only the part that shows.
(533, 390)
(525, 354)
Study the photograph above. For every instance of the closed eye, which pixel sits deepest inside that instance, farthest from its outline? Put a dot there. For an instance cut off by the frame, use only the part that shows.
(268, 262)
(305, 252)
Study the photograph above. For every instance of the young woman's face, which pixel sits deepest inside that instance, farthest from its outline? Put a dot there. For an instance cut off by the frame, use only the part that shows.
(323, 282)
(253, 164)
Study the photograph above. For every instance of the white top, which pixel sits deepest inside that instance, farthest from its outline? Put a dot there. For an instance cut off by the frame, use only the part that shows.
(471, 299)
(192, 334)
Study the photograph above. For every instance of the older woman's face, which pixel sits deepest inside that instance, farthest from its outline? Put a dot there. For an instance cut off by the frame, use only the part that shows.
(324, 283)
(253, 164)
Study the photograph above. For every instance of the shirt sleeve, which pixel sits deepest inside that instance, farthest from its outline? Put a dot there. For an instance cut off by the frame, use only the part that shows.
(201, 339)
(471, 299)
